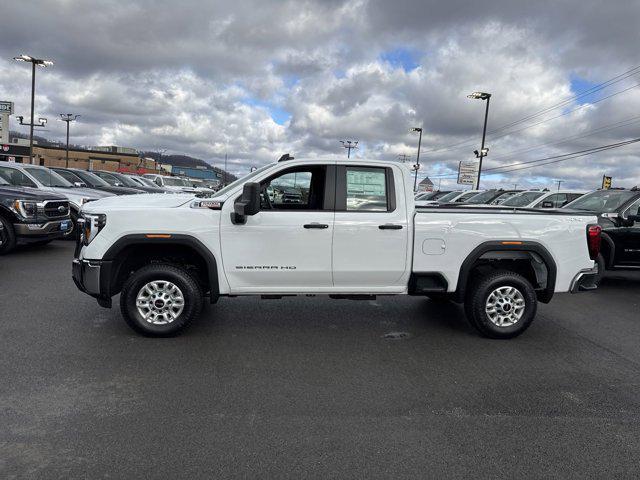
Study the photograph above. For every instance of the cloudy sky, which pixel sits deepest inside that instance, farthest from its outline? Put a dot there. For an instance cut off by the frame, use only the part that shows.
(256, 79)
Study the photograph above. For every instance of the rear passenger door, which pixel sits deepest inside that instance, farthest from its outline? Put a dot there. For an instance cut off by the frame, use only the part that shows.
(371, 230)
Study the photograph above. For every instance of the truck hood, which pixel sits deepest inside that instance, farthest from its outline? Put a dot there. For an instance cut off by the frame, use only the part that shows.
(134, 202)
(77, 192)
(26, 193)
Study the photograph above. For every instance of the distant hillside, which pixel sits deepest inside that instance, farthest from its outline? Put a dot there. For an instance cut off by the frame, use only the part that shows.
(186, 161)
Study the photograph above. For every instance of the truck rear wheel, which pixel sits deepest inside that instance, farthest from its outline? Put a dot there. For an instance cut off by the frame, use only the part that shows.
(501, 305)
(160, 300)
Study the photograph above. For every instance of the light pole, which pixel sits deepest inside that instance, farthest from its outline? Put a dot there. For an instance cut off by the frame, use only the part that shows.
(42, 121)
(483, 151)
(349, 145)
(68, 118)
(417, 165)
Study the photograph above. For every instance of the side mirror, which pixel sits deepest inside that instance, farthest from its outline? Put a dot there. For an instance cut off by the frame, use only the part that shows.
(248, 204)
(79, 184)
(633, 218)
(547, 204)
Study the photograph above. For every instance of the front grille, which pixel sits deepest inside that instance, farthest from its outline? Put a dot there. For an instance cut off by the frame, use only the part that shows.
(56, 209)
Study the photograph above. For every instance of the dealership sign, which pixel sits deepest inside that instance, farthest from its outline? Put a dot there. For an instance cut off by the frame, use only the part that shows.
(467, 172)
(6, 108)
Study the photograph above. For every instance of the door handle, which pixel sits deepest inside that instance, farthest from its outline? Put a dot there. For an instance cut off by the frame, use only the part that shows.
(389, 226)
(316, 225)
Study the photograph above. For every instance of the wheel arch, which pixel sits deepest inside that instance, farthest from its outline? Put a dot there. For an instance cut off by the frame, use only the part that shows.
(543, 266)
(608, 249)
(7, 213)
(120, 253)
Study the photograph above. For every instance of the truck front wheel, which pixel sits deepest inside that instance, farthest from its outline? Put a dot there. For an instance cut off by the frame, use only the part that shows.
(501, 305)
(7, 236)
(160, 300)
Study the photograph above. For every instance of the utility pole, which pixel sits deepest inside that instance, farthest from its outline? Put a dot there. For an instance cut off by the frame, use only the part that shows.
(68, 118)
(224, 184)
(417, 165)
(483, 151)
(559, 182)
(515, 186)
(349, 145)
(41, 121)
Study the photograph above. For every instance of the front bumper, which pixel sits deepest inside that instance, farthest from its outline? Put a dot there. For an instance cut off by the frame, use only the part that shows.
(51, 229)
(585, 280)
(90, 276)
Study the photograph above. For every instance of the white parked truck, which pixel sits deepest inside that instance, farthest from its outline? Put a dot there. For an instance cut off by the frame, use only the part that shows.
(353, 234)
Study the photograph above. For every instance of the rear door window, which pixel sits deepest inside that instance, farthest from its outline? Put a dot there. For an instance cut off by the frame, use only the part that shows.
(366, 189)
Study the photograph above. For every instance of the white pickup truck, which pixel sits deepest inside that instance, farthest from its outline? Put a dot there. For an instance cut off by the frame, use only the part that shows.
(352, 232)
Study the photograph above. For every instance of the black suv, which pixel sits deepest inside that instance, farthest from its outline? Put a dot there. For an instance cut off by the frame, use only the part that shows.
(83, 178)
(28, 215)
(618, 215)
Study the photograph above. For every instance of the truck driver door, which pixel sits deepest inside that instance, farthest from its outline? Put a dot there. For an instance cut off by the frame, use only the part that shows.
(286, 246)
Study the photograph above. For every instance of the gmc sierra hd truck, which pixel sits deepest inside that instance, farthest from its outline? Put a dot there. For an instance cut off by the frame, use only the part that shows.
(354, 234)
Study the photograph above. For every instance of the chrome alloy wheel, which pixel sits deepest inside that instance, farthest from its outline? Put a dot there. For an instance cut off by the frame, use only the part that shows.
(505, 306)
(160, 302)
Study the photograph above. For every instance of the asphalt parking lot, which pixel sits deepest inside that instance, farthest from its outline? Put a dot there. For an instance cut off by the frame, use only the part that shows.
(309, 387)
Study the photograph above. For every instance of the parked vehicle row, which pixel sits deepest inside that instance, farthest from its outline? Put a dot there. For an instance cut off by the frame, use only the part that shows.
(29, 215)
(29, 192)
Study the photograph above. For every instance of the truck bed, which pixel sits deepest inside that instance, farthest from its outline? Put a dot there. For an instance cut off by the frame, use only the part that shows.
(444, 234)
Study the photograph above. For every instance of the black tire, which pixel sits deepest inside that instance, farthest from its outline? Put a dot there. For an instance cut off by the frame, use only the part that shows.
(482, 288)
(7, 236)
(602, 266)
(191, 292)
(74, 232)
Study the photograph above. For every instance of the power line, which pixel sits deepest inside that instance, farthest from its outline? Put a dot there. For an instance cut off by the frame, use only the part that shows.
(550, 160)
(589, 133)
(590, 91)
(605, 84)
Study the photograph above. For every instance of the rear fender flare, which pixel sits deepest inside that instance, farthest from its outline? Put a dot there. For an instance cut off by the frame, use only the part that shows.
(501, 250)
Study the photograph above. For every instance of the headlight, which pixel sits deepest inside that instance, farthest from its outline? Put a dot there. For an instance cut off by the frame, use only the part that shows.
(25, 208)
(90, 226)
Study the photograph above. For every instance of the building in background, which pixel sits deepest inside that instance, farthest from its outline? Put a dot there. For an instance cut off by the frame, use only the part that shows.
(425, 185)
(195, 172)
(115, 159)
(6, 110)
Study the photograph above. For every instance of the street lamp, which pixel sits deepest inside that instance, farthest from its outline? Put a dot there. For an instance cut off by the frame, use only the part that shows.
(68, 118)
(417, 165)
(349, 145)
(42, 63)
(483, 151)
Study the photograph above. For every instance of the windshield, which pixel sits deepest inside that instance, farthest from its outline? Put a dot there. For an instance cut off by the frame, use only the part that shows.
(126, 181)
(48, 178)
(244, 179)
(464, 197)
(173, 181)
(448, 196)
(91, 179)
(146, 182)
(523, 199)
(500, 199)
(482, 197)
(602, 200)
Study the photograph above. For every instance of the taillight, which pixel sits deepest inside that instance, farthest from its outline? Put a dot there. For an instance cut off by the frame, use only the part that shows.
(594, 239)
